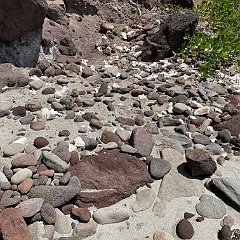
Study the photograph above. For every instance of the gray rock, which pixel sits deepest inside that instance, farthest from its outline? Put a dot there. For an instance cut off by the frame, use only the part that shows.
(201, 139)
(215, 148)
(128, 149)
(144, 200)
(57, 195)
(123, 134)
(158, 168)
(210, 207)
(63, 153)
(230, 187)
(151, 128)
(111, 215)
(84, 230)
(36, 84)
(180, 108)
(27, 119)
(54, 162)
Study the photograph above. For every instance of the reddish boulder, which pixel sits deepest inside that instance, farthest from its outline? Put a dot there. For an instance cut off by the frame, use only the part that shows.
(13, 226)
(115, 175)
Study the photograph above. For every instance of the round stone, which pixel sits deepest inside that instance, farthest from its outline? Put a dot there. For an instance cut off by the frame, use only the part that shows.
(159, 168)
(40, 142)
(21, 175)
(13, 149)
(184, 229)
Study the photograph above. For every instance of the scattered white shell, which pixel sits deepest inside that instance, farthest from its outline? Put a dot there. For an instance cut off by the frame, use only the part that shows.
(50, 113)
(78, 142)
(22, 140)
(61, 93)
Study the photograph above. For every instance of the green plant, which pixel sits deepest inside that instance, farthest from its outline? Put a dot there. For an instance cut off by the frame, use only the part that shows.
(218, 42)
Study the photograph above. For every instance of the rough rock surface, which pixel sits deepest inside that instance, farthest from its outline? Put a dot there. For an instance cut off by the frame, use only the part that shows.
(170, 36)
(116, 174)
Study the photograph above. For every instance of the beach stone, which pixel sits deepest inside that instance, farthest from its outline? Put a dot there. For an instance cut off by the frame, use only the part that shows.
(57, 106)
(144, 200)
(49, 231)
(62, 224)
(13, 149)
(13, 226)
(21, 175)
(30, 207)
(27, 119)
(87, 72)
(142, 141)
(201, 139)
(180, 108)
(25, 160)
(108, 136)
(64, 133)
(111, 215)
(158, 168)
(230, 187)
(162, 235)
(36, 84)
(199, 162)
(84, 230)
(3, 178)
(33, 106)
(54, 162)
(48, 213)
(224, 135)
(83, 214)
(128, 149)
(25, 186)
(7, 172)
(210, 207)
(184, 229)
(19, 111)
(65, 178)
(123, 134)
(90, 143)
(40, 142)
(63, 153)
(120, 175)
(56, 195)
(96, 123)
(126, 121)
(37, 126)
(227, 221)
(225, 233)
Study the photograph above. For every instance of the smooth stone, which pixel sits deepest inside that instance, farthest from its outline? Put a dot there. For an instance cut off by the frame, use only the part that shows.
(37, 126)
(62, 224)
(13, 149)
(37, 230)
(128, 149)
(27, 119)
(25, 186)
(57, 195)
(3, 178)
(110, 145)
(184, 229)
(25, 160)
(144, 200)
(210, 207)
(111, 215)
(54, 162)
(36, 84)
(30, 207)
(48, 213)
(84, 230)
(180, 108)
(21, 175)
(158, 168)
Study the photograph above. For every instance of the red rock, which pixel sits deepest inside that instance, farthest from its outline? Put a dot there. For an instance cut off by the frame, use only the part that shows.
(64, 133)
(24, 161)
(40, 142)
(13, 226)
(117, 175)
(25, 186)
(108, 136)
(142, 141)
(48, 172)
(83, 214)
(19, 111)
(67, 209)
(185, 229)
(233, 125)
(74, 158)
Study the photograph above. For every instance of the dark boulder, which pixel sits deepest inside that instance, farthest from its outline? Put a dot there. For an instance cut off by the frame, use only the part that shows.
(169, 37)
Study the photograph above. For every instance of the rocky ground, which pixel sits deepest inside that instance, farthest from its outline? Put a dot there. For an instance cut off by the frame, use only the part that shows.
(111, 147)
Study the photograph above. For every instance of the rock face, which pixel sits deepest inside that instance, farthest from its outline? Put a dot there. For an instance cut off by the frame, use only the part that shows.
(21, 31)
(169, 37)
(200, 162)
(13, 226)
(116, 174)
(181, 3)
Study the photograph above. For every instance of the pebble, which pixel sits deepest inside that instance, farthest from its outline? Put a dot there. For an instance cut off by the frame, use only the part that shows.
(25, 186)
(128, 149)
(37, 126)
(111, 215)
(36, 84)
(27, 119)
(184, 229)
(144, 200)
(25, 160)
(123, 134)
(210, 207)
(83, 214)
(13, 149)
(40, 142)
(63, 153)
(30, 207)
(158, 168)
(21, 175)
(54, 162)
(180, 108)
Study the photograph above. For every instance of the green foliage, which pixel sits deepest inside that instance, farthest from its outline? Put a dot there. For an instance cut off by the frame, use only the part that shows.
(218, 42)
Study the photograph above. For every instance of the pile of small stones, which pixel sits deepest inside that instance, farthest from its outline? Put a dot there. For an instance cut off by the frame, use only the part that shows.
(119, 109)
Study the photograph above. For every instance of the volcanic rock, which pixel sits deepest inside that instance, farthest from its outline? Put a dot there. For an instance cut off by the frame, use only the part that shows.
(116, 174)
